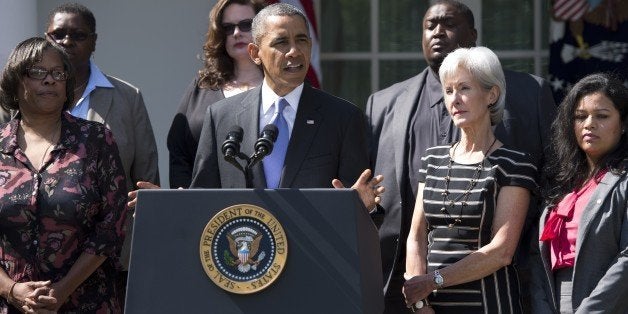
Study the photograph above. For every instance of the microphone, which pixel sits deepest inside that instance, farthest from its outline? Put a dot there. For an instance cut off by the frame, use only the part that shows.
(264, 144)
(231, 145)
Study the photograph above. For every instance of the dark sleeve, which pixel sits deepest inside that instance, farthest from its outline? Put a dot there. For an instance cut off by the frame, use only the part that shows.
(546, 115)
(181, 144)
(354, 152)
(518, 169)
(106, 237)
(182, 150)
(206, 173)
(373, 132)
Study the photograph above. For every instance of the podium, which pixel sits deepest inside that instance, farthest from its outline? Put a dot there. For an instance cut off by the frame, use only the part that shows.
(333, 262)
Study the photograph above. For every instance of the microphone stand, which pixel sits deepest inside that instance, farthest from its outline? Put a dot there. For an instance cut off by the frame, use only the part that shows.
(263, 147)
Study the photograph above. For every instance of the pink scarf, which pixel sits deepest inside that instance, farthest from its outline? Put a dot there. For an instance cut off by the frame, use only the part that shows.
(561, 240)
(555, 230)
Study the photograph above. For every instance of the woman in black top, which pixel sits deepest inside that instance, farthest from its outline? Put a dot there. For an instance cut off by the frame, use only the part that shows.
(227, 71)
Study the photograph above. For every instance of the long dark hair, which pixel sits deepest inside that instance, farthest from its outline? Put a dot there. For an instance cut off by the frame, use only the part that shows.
(218, 66)
(567, 168)
(25, 54)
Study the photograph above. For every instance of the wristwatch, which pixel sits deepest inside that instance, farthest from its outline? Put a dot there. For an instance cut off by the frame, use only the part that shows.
(438, 279)
(419, 305)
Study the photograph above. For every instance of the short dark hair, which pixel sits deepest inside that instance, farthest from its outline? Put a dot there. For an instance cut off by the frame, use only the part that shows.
(462, 9)
(277, 9)
(218, 66)
(77, 9)
(25, 54)
(568, 167)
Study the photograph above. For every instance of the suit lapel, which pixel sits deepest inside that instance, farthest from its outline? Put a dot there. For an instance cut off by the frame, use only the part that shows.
(302, 135)
(99, 104)
(594, 206)
(248, 118)
(401, 123)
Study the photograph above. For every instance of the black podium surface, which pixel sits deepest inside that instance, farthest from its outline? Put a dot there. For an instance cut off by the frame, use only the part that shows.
(333, 263)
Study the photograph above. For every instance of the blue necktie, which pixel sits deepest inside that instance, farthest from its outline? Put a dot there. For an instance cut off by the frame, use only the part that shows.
(273, 163)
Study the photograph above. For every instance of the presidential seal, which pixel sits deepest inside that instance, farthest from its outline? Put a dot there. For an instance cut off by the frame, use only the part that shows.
(243, 249)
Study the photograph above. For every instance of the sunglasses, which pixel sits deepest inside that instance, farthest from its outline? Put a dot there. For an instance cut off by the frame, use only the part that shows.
(40, 74)
(60, 35)
(243, 26)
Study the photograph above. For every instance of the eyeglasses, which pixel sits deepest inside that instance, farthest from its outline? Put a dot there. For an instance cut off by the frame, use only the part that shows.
(243, 26)
(40, 74)
(60, 35)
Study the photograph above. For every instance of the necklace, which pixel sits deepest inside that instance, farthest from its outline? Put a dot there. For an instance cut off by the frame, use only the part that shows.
(464, 196)
(43, 158)
(52, 143)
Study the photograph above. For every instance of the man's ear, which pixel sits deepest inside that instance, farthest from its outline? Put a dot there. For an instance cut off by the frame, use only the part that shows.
(93, 47)
(254, 53)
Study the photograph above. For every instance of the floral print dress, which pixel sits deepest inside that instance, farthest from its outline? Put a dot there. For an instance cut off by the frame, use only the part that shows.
(74, 204)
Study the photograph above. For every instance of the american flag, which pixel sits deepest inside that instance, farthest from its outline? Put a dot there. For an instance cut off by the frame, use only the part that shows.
(307, 6)
(570, 10)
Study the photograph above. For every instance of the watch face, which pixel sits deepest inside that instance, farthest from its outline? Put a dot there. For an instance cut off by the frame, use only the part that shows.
(438, 278)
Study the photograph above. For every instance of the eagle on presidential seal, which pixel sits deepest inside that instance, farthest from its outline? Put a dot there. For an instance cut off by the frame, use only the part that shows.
(244, 243)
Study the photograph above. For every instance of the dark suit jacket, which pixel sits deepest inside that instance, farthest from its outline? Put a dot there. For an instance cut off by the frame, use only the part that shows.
(600, 279)
(328, 141)
(528, 113)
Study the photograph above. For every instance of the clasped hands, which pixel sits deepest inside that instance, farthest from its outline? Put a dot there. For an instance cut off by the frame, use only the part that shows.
(37, 297)
(418, 288)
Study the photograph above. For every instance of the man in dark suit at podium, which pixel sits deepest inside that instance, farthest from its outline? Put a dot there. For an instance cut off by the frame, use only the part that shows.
(410, 116)
(320, 138)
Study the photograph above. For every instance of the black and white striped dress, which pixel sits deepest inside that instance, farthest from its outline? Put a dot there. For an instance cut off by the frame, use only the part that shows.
(496, 293)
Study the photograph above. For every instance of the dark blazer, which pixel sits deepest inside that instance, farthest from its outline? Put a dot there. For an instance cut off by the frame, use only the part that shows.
(600, 279)
(525, 126)
(185, 131)
(328, 141)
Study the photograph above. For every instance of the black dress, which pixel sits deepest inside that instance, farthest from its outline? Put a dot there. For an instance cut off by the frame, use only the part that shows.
(456, 229)
(186, 130)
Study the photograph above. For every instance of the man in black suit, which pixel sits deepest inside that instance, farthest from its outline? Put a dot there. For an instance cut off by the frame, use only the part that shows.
(410, 116)
(326, 135)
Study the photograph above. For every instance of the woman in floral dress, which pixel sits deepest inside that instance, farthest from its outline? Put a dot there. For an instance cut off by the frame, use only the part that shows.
(62, 192)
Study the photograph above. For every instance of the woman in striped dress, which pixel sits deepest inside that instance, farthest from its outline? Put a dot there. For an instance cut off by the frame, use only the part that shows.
(472, 200)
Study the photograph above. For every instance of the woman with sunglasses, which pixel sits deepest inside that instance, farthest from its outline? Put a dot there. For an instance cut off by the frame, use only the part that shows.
(62, 192)
(227, 71)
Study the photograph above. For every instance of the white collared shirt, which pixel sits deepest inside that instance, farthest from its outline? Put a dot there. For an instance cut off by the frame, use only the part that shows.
(267, 109)
(96, 79)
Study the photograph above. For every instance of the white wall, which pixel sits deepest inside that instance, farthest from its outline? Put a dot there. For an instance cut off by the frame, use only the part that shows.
(18, 21)
(154, 45)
